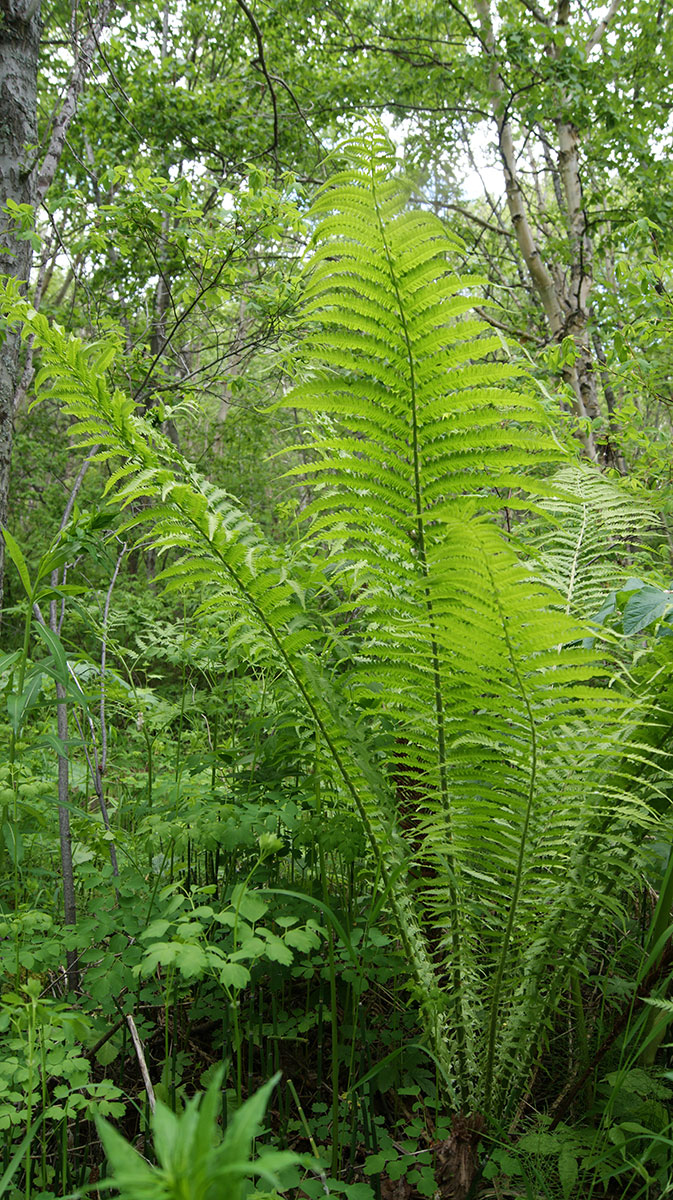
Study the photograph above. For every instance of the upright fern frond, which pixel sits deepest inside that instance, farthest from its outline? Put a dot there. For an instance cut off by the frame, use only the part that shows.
(503, 727)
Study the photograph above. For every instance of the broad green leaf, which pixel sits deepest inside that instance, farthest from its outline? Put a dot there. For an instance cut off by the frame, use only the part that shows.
(156, 930)
(167, 1129)
(250, 905)
(276, 950)
(645, 607)
(234, 975)
(301, 939)
(243, 1127)
(55, 647)
(14, 551)
(162, 954)
(191, 959)
(134, 1177)
(7, 661)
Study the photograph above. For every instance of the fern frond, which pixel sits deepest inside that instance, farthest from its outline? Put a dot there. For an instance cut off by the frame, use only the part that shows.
(594, 521)
(495, 771)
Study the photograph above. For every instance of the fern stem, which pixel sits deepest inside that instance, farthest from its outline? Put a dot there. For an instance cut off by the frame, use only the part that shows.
(575, 561)
(456, 974)
(523, 841)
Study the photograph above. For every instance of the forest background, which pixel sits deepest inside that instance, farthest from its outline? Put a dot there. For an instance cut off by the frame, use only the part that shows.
(375, 799)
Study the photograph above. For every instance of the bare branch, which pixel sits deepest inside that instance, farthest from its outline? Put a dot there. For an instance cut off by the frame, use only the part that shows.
(507, 233)
(598, 32)
(521, 335)
(536, 12)
(260, 62)
(45, 173)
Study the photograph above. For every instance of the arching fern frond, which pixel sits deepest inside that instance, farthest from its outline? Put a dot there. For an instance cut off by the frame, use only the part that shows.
(594, 522)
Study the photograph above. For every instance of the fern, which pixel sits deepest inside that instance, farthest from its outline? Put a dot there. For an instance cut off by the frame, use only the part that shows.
(487, 806)
(593, 521)
(502, 730)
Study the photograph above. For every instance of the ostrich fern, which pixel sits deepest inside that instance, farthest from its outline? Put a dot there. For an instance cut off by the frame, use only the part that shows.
(487, 810)
(593, 521)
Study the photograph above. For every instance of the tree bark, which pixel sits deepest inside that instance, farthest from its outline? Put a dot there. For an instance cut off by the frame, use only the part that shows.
(20, 29)
(564, 294)
(25, 180)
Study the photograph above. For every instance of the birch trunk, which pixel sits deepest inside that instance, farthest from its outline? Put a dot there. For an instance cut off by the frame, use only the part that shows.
(564, 290)
(20, 29)
(25, 180)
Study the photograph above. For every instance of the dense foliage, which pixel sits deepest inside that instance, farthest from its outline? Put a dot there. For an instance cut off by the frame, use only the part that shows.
(336, 637)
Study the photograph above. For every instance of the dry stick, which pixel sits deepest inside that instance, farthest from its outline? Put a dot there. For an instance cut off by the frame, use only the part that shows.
(141, 1062)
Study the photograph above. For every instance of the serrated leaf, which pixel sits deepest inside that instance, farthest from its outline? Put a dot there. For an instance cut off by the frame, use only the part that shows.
(568, 1171)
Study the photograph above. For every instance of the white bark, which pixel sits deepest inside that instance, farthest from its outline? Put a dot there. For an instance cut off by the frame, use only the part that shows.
(20, 29)
(556, 304)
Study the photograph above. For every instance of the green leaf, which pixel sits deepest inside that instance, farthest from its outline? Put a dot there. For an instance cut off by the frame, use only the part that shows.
(243, 1127)
(19, 561)
(135, 1179)
(250, 904)
(55, 743)
(13, 842)
(162, 954)
(19, 705)
(167, 1128)
(7, 661)
(234, 975)
(568, 1171)
(55, 647)
(645, 607)
(156, 930)
(275, 949)
(191, 959)
(16, 1160)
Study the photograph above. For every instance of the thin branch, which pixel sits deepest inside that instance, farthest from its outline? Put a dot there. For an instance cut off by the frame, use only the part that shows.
(602, 25)
(520, 334)
(260, 62)
(536, 12)
(46, 171)
(506, 233)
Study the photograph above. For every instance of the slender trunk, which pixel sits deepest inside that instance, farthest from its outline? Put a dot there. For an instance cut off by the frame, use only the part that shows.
(556, 310)
(20, 29)
(25, 181)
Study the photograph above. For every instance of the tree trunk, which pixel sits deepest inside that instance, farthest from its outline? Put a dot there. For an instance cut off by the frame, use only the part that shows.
(564, 294)
(20, 29)
(26, 181)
